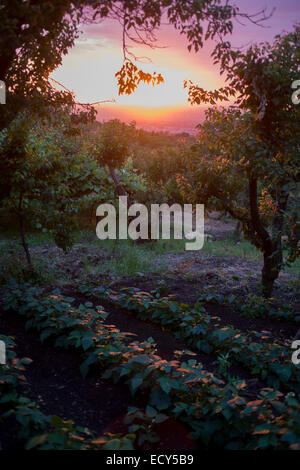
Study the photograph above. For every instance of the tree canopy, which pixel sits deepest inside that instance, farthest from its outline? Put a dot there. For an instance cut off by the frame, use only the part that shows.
(252, 167)
(34, 36)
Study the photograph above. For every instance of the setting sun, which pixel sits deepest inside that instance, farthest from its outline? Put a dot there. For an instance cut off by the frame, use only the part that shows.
(89, 71)
(90, 66)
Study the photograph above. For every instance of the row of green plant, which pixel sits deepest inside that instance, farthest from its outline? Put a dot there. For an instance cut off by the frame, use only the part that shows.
(35, 430)
(269, 361)
(253, 306)
(218, 414)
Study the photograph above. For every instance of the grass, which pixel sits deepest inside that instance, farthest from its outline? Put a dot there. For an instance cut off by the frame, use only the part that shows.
(245, 250)
(229, 248)
(124, 259)
(118, 258)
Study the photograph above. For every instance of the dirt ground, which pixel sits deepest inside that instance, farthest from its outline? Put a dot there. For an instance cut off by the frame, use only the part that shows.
(54, 379)
(228, 274)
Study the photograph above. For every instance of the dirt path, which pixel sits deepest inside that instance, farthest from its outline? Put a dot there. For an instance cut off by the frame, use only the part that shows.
(56, 385)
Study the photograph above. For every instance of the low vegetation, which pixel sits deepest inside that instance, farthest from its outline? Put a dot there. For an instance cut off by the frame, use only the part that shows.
(142, 344)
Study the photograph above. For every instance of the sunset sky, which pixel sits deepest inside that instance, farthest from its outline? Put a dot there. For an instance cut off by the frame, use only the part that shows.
(89, 68)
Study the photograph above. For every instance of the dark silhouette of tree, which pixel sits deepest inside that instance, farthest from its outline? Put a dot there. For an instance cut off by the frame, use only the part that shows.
(255, 146)
(35, 34)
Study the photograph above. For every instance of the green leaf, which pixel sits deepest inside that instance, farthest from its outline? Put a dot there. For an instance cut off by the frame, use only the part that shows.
(164, 383)
(135, 383)
(35, 441)
(160, 399)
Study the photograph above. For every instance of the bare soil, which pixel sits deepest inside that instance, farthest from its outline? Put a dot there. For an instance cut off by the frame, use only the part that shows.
(54, 379)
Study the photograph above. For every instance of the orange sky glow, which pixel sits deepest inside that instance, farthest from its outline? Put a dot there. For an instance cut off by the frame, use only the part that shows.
(89, 68)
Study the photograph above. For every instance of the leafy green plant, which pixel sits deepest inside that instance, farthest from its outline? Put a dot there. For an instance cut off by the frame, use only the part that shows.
(142, 425)
(271, 361)
(218, 415)
(224, 363)
(252, 306)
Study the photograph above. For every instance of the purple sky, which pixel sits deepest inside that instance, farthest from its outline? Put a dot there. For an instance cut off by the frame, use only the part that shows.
(89, 67)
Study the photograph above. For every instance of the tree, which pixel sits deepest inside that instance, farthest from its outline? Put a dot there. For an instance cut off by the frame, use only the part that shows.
(51, 180)
(257, 147)
(160, 166)
(35, 34)
(111, 147)
(33, 38)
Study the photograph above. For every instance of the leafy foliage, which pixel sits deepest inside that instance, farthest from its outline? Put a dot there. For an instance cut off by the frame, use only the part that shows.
(35, 430)
(129, 77)
(271, 361)
(46, 180)
(251, 170)
(218, 414)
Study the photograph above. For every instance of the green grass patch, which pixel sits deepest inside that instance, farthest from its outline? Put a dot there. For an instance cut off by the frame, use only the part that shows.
(229, 248)
(118, 258)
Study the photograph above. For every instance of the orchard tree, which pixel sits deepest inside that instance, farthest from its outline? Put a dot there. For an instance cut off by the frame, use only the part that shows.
(35, 34)
(111, 148)
(50, 181)
(255, 146)
(160, 166)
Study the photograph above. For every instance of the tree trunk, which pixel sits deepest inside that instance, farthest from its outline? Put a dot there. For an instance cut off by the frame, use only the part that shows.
(22, 232)
(120, 190)
(271, 269)
(268, 273)
(271, 247)
(237, 231)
